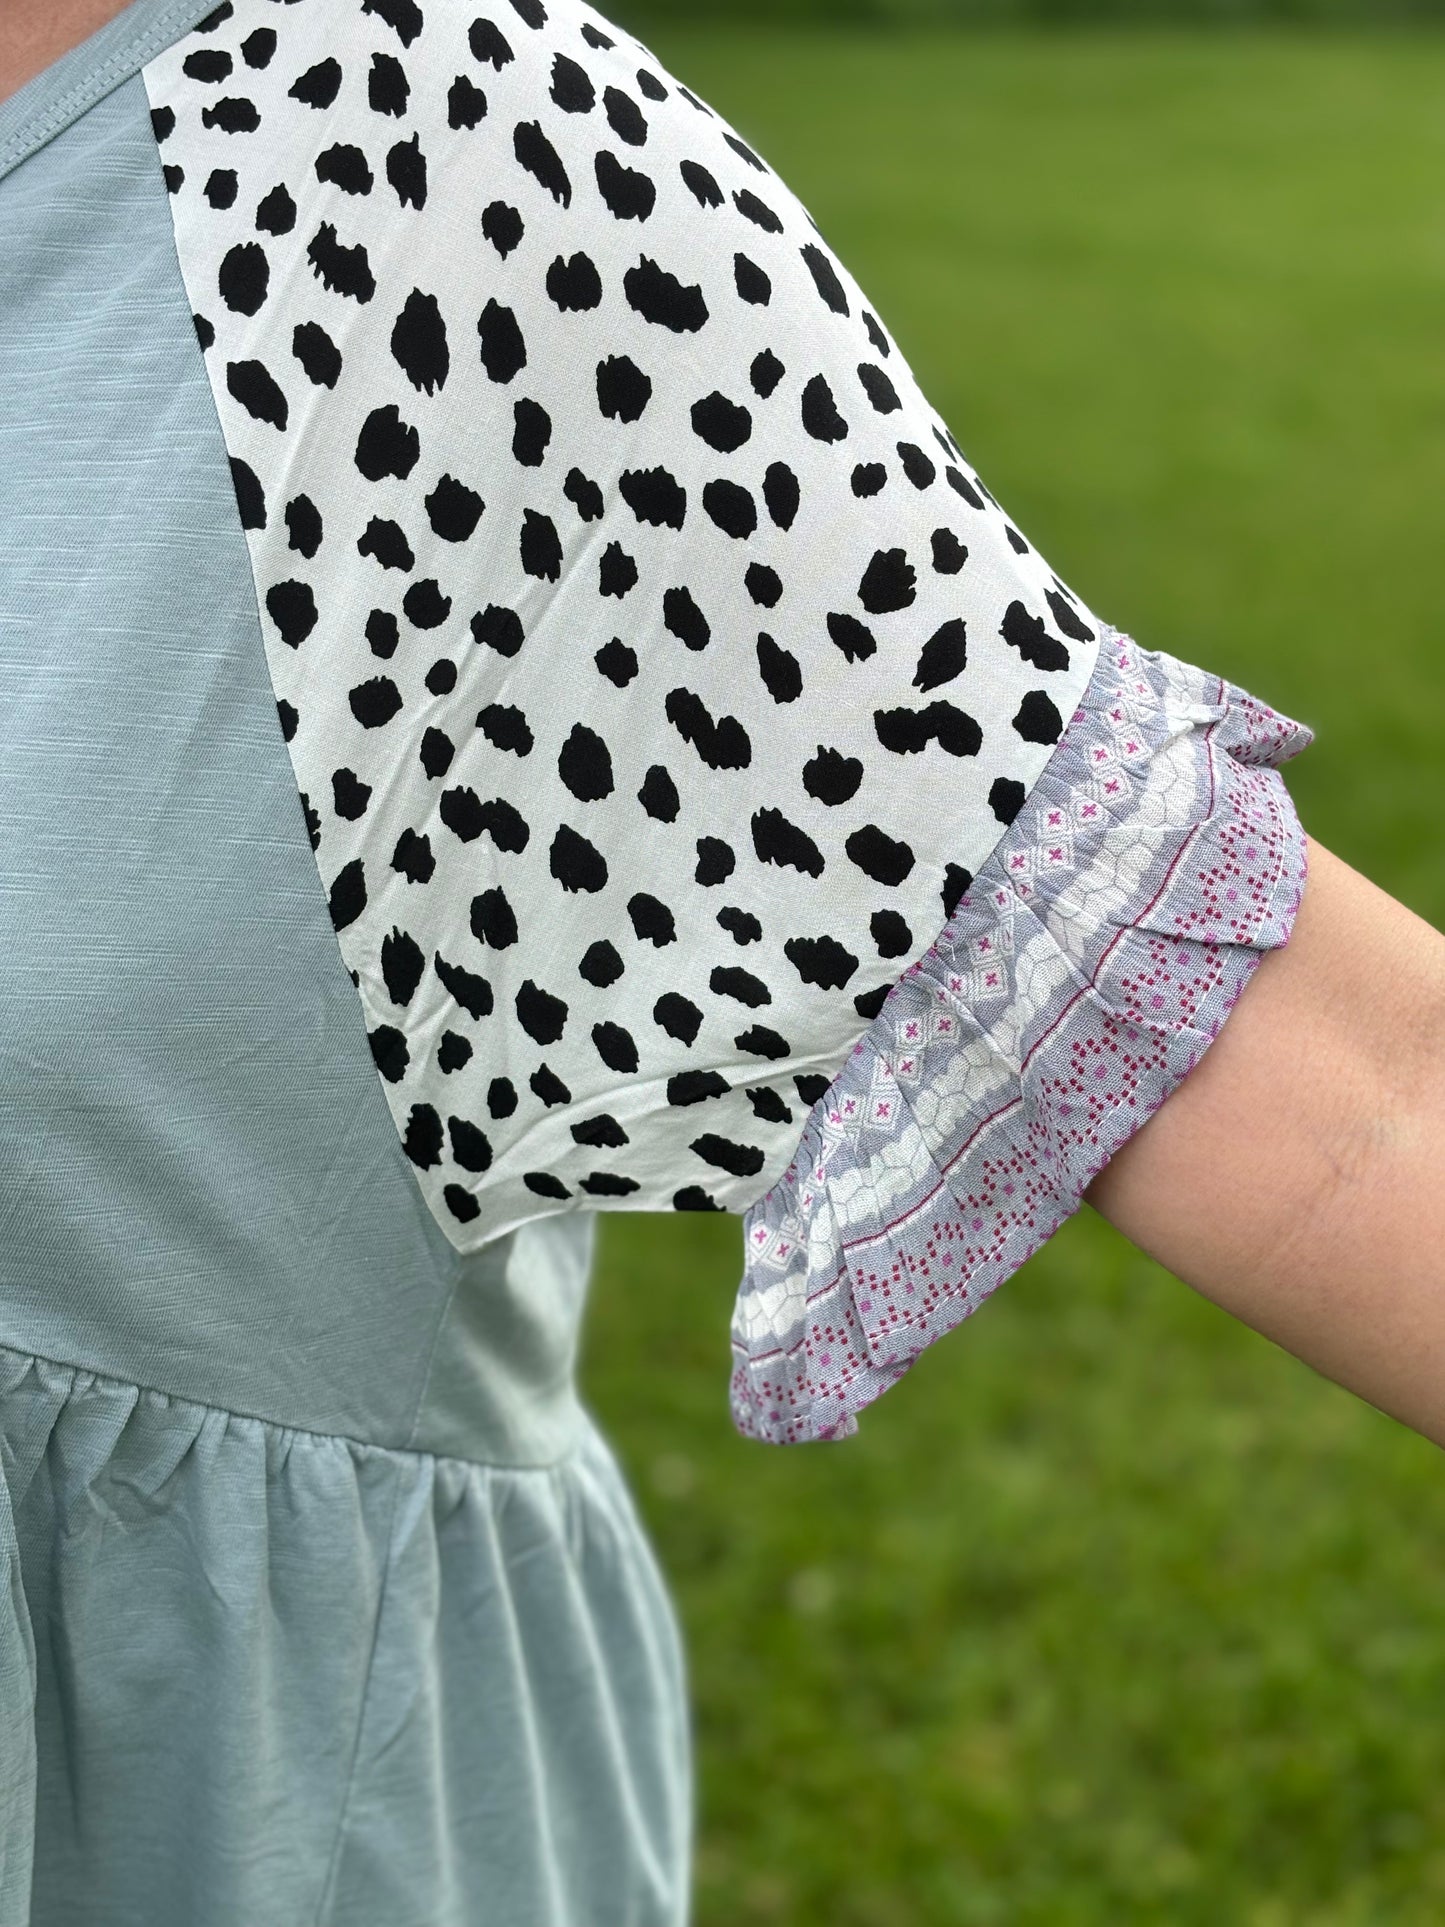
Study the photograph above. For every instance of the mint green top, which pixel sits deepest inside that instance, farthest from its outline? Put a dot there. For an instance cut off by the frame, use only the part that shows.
(321, 1598)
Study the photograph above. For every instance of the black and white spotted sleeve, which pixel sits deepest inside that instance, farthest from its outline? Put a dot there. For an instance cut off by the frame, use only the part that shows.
(656, 672)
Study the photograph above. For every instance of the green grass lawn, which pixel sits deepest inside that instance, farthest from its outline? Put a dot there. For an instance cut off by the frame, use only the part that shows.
(1111, 1611)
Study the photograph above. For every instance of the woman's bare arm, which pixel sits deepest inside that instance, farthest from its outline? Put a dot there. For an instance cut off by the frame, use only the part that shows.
(1297, 1176)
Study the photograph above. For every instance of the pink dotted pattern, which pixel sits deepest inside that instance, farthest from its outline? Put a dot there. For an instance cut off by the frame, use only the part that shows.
(1092, 961)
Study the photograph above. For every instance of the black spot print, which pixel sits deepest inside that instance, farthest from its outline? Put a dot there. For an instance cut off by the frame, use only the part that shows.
(769, 1105)
(759, 1041)
(956, 882)
(424, 605)
(820, 412)
(765, 373)
(342, 270)
(541, 546)
(648, 82)
(811, 1085)
(163, 119)
(722, 424)
(617, 572)
(943, 656)
(853, 637)
(470, 1146)
(821, 960)
(544, 1184)
(498, 628)
(776, 840)
(678, 1016)
(888, 582)
(625, 117)
(629, 195)
(576, 863)
(221, 187)
(504, 353)
(453, 509)
(715, 861)
(1067, 617)
(489, 44)
(751, 281)
(531, 11)
(652, 921)
(243, 278)
(502, 225)
(574, 284)
(748, 204)
(540, 158)
(347, 900)
(623, 390)
(437, 752)
(603, 1132)
(584, 495)
(778, 667)
(885, 858)
(600, 964)
(825, 278)
(731, 980)
(252, 385)
(402, 963)
(387, 445)
(276, 214)
(654, 495)
(741, 925)
(962, 486)
(546, 1084)
(616, 662)
(1006, 798)
(303, 525)
(831, 776)
(694, 1087)
(1028, 635)
(891, 934)
(292, 607)
(250, 496)
(388, 1045)
(731, 507)
(763, 584)
(1038, 720)
(949, 554)
(454, 1051)
(781, 494)
(385, 542)
(878, 388)
(466, 103)
(659, 297)
(402, 16)
(585, 765)
(422, 1141)
(346, 167)
(406, 171)
(318, 354)
(492, 919)
(684, 619)
(383, 633)
(916, 465)
(375, 702)
(233, 115)
(572, 89)
(387, 87)
(615, 1047)
(531, 433)
(700, 184)
(658, 795)
(869, 478)
(319, 85)
(505, 727)
(541, 1015)
(907, 731)
(722, 744)
(419, 342)
(413, 857)
(258, 47)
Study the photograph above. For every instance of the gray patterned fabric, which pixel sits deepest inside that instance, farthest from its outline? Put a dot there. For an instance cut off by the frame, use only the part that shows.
(1092, 960)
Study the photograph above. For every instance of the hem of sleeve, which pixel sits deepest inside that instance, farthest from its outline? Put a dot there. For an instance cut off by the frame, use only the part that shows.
(1092, 961)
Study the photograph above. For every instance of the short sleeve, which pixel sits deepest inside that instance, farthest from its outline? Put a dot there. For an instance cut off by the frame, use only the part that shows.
(657, 673)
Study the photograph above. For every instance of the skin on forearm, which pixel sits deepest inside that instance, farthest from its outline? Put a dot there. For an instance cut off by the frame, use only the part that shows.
(1297, 1176)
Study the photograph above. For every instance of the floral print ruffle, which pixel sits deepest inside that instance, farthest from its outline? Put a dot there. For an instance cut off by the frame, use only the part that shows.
(1092, 960)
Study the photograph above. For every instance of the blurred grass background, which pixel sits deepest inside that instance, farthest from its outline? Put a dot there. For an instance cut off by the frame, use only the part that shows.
(1111, 1611)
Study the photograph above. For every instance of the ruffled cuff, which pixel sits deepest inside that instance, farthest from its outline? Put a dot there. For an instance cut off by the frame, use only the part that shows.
(1094, 957)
